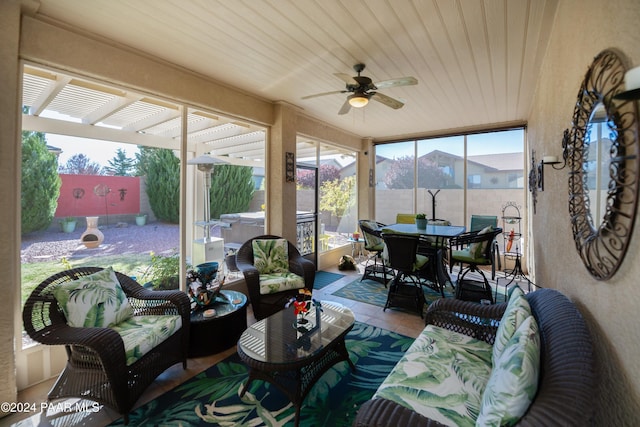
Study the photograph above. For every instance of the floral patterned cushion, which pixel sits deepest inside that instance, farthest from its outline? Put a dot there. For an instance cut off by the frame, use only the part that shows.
(514, 380)
(142, 333)
(270, 255)
(518, 309)
(96, 300)
(442, 376)
(278, 282)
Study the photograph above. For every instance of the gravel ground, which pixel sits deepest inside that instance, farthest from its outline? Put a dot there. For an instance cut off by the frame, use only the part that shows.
(119, 239)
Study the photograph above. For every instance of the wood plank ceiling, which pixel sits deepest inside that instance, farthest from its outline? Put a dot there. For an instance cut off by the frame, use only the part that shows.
(476, 61)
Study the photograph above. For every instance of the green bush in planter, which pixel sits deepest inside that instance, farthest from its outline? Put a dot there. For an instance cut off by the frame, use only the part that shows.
(163, 272)
(68, 224)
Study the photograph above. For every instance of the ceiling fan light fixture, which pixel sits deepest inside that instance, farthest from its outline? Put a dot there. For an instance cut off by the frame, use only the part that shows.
(358, 100)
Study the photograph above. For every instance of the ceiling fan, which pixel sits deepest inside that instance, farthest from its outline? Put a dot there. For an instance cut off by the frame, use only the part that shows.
(363, 89)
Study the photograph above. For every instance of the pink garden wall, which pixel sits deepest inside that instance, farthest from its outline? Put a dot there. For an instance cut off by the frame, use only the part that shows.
(98, 195)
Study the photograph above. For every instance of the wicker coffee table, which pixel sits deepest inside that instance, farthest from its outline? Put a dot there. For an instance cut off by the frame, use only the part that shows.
(277, 352)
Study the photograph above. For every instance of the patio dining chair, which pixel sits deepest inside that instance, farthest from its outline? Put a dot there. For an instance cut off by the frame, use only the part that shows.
(473, 250)
(405, 218)
(409, 267)
(478, 222)
(375, 268)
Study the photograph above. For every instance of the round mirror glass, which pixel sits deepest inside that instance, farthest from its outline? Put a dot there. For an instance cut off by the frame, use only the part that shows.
(601, 133)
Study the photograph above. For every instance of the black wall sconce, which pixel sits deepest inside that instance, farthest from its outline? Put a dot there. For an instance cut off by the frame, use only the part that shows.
(631, 86)
(290, 167)
(553, 161)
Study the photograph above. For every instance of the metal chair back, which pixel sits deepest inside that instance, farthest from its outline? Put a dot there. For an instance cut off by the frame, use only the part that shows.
(402, 249)
(478, 222)
(404, 218)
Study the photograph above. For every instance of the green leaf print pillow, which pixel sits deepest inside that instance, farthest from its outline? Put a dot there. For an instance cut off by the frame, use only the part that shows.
(514, 380)
(518, 309)
(271, 255)
(96, 300)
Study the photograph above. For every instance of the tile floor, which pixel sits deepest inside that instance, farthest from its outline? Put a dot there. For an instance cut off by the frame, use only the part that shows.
(404, 323)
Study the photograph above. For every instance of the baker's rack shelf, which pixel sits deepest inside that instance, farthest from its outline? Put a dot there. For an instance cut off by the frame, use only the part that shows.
(512, 235)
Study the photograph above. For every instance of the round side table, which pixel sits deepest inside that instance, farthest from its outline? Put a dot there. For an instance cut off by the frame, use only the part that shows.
(214, 334)
(357, 248)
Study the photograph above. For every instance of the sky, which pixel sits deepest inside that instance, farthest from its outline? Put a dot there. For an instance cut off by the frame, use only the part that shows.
(483, 143)
(96, 150)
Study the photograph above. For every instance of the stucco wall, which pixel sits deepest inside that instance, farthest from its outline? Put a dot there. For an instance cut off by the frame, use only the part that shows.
(80, 195)
(9, 217)
(581, 30)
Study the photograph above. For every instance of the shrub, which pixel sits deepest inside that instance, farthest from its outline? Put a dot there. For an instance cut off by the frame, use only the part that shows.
(163, 184)
(401, 173)
(163, 272)
(40, 183)
(232, 189)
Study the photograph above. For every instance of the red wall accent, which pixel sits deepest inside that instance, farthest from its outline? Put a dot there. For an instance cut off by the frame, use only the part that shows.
(78, 198)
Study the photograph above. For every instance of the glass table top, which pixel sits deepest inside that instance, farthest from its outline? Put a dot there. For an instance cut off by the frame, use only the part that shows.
(278, 339)
(430, 230)
(235, 300)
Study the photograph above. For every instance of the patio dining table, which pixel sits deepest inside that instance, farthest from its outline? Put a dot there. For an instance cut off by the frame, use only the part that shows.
(442, 234)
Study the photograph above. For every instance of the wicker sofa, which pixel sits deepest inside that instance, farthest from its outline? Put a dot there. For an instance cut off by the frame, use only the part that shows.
(566, 377)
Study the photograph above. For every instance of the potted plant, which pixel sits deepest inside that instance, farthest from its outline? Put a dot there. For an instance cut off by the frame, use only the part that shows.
(421, 221)
(141, 219)
(68, 224)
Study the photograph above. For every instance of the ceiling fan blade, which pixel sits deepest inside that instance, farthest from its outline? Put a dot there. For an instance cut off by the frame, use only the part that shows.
(346, 78)
(333, 92)
(402, 81)
(387, 100)
(345, 107)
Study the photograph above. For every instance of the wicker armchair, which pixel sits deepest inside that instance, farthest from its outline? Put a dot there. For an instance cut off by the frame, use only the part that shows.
(267, 304)
(96, 364)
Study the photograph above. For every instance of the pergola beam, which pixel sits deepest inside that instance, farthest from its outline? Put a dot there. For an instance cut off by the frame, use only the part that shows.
(42, 124)
(49, 94)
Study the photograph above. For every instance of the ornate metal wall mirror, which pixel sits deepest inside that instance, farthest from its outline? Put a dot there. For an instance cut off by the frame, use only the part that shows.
(602, 152)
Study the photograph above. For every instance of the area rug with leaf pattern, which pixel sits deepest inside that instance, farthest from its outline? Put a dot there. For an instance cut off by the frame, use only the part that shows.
(375, 293)
(212, 397)
(372, 292)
